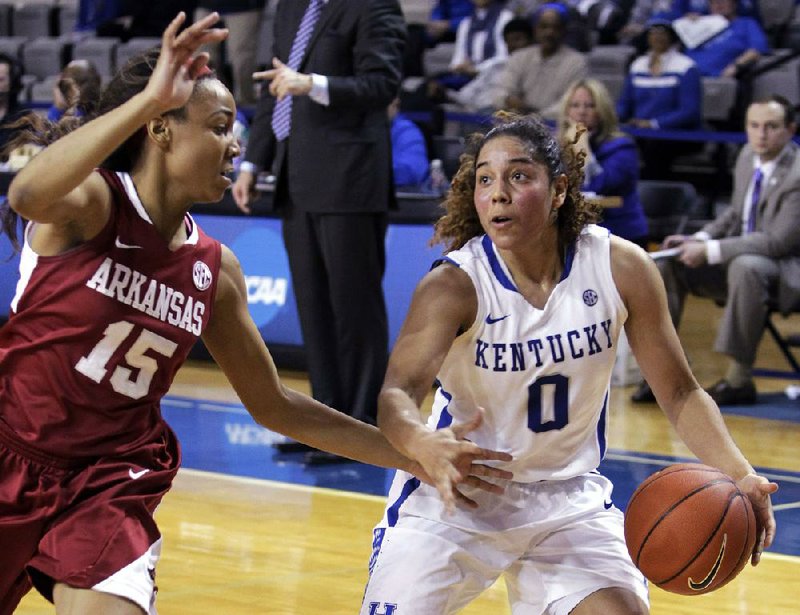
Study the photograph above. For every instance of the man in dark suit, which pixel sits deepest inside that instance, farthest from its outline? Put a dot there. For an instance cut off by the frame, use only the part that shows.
(749, 256)
(338, 65)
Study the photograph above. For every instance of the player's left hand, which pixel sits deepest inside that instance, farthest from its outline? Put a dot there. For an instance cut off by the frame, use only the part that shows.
(449, 460)
(179, 63)
(284, 81)
(759, 489)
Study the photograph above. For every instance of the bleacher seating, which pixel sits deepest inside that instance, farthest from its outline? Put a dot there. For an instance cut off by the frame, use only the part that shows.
(783, 79)
(134, 46)
(609, 59)
(12, 46)
(32, 20)
(45, 57)
(101, 52)
(40, 93)
(719, 98)
(437, 59)
(5, 19)
(67, 18)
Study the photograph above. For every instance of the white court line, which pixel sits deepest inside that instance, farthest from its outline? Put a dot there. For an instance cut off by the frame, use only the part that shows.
(276, 484)
(786, 506)
(668, 462)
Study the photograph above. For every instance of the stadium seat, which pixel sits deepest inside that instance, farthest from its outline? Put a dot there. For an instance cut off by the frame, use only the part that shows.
(133, 47)
(667, 205)
(33, 20)
(101, 52)
(12, 46)
(719, 98)
(6, 11)
(67, 19)
(782, 78)
(40, 93)
(613, 83)
(609, 59)
(448, 149)
(45, 57)
(436, 60)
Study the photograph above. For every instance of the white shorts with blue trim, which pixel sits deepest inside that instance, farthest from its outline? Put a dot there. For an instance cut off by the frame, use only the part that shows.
(555, 543)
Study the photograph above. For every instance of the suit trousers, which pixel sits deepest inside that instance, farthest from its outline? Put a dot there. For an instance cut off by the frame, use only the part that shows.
(337, 261)
(746, 286)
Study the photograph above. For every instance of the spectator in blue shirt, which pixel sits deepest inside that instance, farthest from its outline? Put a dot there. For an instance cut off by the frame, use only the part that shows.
(409, 152)
(445, 17)
(735, 48)
(612, 159)
(663, 87)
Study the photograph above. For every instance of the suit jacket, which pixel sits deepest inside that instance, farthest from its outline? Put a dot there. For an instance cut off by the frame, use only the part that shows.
(337, 157)
(777, 233)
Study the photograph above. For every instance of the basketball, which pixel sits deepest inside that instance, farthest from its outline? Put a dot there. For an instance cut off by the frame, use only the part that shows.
(689, 529)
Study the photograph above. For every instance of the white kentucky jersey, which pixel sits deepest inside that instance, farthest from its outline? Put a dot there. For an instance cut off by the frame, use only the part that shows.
(542, 375)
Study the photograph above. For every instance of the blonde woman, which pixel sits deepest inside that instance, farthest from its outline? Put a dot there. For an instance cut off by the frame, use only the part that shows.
(612, 160)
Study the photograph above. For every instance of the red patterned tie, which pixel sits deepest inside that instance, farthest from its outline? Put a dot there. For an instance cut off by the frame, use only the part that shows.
(282, 114)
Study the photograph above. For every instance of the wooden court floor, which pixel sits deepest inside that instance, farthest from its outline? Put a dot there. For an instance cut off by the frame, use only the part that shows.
(244, 546)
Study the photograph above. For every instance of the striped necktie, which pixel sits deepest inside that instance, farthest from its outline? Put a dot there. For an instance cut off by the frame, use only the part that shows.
(282, 114)
(758, 176)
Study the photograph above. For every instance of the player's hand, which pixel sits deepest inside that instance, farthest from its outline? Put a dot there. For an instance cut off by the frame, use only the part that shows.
(242, 190)
(179, 64)
(759, 489)
(284, 81)
(449, 460)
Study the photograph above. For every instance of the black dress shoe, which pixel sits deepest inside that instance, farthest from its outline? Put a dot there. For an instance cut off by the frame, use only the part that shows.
(323, 458)
(727, 395)
(643, 394)
(293, 447)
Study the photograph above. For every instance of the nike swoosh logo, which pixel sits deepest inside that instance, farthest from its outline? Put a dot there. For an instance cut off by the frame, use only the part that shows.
(126, 246)
(711, 573)
(135, 475)
(608, 504)
(491, 321)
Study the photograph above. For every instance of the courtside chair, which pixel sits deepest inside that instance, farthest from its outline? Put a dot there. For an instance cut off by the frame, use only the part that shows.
(667, 206)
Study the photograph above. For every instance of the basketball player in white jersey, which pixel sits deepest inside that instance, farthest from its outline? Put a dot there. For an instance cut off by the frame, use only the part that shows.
(117, 283)
(519, 323)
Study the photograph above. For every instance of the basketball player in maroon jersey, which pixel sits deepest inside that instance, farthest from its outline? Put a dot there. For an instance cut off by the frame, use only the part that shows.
(116, 284)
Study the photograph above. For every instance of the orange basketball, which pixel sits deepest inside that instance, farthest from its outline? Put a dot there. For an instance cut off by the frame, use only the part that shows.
(689, 529)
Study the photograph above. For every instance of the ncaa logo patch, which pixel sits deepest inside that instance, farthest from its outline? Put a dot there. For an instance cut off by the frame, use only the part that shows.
(590, 297)
(201, 275)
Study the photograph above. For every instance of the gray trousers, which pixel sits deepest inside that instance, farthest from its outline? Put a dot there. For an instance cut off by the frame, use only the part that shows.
(745, 285)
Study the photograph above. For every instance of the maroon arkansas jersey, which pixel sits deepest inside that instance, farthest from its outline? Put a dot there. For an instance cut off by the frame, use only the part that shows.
(96, 334)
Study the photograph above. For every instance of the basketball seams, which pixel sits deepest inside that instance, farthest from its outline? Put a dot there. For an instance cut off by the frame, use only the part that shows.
(680, 517)
(713, 533)
(667, 512)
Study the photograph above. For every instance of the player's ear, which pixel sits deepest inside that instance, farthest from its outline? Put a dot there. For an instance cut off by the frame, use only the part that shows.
(158, 130)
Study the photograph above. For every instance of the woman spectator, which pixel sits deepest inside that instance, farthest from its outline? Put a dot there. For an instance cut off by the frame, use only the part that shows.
(76, 92)
(612, 160)
(662, 90)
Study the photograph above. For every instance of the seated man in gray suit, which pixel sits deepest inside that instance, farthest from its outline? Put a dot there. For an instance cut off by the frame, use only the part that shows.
(750, 255)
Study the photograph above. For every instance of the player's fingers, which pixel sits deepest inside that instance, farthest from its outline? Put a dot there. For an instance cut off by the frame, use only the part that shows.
(168, 38)
(483, 485)
(759, 548)
(464, 428)
(487, 454)
(462, 499)
(479, 469)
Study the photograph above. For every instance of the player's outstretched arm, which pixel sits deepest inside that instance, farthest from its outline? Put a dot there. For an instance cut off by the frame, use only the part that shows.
(57, 186)
(237, 346)
(443, 303)
(692, 412)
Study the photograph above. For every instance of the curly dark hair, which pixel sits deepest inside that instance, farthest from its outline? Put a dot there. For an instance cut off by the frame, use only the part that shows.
(460, 221)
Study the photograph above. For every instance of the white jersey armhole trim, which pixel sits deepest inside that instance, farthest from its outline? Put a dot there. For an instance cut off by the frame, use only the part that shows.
(27, 263)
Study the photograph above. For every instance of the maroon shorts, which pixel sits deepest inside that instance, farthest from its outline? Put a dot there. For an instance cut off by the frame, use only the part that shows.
(81, 525)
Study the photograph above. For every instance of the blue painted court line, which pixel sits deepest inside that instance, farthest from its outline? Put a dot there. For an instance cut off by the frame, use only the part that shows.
(222, 437)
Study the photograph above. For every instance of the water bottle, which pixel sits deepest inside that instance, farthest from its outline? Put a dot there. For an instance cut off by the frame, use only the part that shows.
(438, 180)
